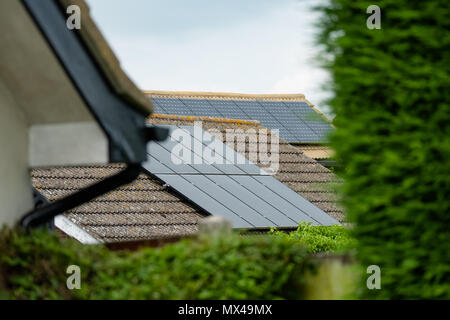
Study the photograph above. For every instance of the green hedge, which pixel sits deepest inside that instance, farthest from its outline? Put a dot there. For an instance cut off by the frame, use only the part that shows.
(34, 266)
(392, 106)
(321, 238)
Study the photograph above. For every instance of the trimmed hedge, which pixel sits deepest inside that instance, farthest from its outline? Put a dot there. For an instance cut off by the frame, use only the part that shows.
(392, 106)
(321, 238)
(33, 266)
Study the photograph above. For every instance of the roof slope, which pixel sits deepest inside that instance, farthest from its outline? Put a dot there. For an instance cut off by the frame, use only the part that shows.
(299, 172)
(142, 210)
(296, 118)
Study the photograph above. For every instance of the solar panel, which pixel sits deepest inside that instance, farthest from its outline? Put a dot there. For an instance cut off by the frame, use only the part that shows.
(257, 112)
(229, 109)
(296, 121)
(173, 106)
(201, 107)
(157, 108)
(259, 203)
(203, 199)
(241, 193)
(279, 202)
(312, 121)
(293, 198)
(289, 120)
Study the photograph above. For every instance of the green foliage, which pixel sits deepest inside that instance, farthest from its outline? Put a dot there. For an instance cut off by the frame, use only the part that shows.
(321, 238)
(33, 266)
(392, 97)
(212, 268)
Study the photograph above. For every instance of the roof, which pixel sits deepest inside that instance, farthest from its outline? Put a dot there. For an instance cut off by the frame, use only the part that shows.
(299, 172)
(296, 118)
(226, 95)
(226, 184)
(142, 210)
(146, 209)
(42, 54)
(317, 152)
(106, 59)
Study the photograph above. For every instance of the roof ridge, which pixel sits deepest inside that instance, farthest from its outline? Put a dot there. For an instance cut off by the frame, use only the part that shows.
(226, 95)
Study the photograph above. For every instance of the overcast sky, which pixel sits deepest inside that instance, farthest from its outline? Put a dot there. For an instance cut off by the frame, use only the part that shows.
(245, 46)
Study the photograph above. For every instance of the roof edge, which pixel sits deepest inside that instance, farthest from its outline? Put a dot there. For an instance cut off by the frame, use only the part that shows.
(202, 118)
(74, 231)
(226, 95)
(320, 113)
(106, 59)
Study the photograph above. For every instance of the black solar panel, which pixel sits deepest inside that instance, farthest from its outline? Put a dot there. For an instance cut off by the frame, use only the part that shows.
(314, 122)
(229, 109)
(157, 108)
(201, 107)
(295, 120)
(242, 193)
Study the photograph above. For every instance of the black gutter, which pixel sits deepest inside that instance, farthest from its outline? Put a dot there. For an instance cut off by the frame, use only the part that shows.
(123, 125)
(46, 212)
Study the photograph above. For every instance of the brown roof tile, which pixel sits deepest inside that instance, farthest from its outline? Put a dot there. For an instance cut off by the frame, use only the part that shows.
(317, 152)
(141, 210)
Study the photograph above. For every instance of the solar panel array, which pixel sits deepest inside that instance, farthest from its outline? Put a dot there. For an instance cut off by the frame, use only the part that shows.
(296, 120)
(231, 186)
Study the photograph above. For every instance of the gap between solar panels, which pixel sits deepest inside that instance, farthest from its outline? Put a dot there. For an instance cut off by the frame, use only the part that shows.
(233, 188)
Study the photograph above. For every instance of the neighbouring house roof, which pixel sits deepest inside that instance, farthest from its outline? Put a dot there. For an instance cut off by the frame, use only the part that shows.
(147, 209)
(298, 120)
(316, 152)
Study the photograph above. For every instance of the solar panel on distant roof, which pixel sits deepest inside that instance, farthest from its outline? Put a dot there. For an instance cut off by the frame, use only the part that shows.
(296, 120)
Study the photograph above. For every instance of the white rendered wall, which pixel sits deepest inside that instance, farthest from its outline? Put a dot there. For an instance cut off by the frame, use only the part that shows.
(15, 188)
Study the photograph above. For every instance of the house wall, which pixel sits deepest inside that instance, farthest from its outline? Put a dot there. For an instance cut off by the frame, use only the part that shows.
(15, 187)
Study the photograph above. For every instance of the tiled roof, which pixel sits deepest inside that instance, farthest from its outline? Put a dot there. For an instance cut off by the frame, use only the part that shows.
(317, 152)
(146, 209)
(142, 210)
(299, 172)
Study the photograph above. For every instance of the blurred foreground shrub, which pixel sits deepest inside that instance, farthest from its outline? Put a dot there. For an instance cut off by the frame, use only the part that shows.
(33, 266)
(392, 104)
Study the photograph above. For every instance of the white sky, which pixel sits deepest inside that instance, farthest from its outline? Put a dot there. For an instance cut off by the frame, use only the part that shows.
(245, 46)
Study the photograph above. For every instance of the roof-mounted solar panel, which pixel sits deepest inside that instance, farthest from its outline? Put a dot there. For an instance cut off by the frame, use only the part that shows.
(295, 120)
(242, 193)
